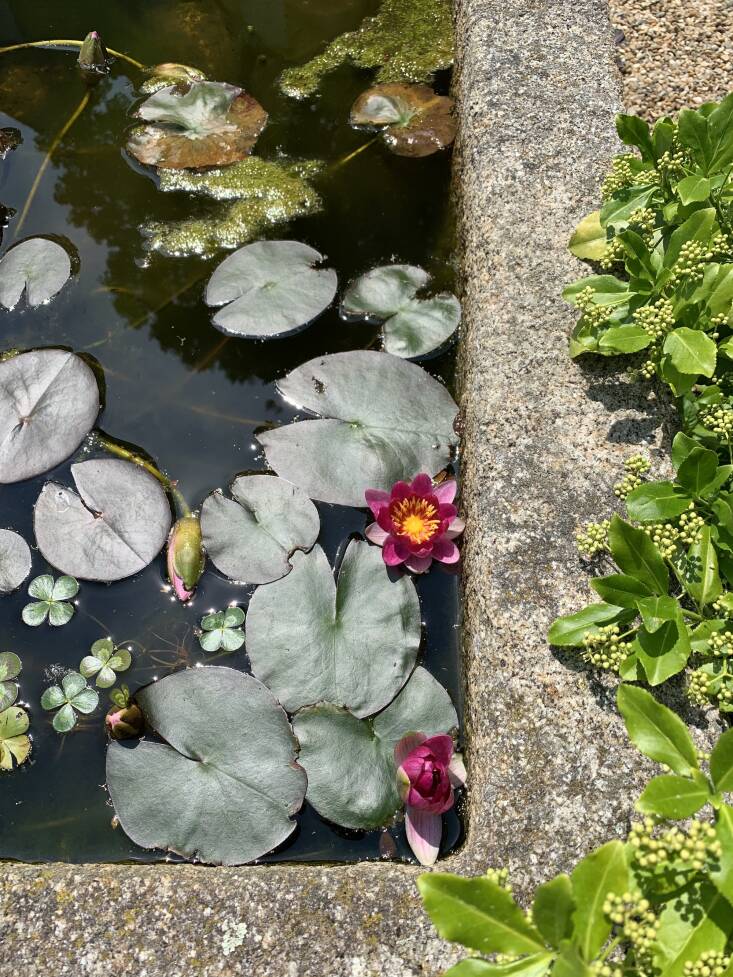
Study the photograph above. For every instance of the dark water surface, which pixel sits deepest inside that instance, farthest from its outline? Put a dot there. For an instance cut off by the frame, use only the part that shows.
(173, 386)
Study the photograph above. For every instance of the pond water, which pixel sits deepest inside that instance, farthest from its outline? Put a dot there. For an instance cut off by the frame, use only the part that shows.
(173, 385)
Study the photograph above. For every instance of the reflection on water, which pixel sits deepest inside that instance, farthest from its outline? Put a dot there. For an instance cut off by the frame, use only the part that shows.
(174, 385)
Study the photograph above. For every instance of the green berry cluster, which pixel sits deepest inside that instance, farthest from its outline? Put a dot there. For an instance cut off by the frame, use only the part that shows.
(613, 254)
(720, 644)
(632, 914)
(711, 683)
(595, 315)
(620, 176)
(690, 265)
(601, 968)
(656, 319)
(718, 418)
(672, 164)
(500, 877)
(635, 467)
(642, 220)
(593, 538)
(692, 850)
(690, 525)
(710, 963)
(698, 687)
(664, 536)
(605, 648)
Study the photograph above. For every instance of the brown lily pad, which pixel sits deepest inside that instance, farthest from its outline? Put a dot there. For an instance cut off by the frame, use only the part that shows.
(415, 121)
(206, 123)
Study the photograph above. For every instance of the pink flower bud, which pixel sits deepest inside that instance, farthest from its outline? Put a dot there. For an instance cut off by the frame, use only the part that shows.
(185, 557)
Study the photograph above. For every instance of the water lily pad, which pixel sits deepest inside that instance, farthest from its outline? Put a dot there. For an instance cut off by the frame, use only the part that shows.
(49, 401)
(384, 420)
(252, 536)
(68, 699)
(15, 560)
(15, 746)
(412, 327)
(354, 643)
(10, 666)
(37, 266)
(270, 288)
(350, 762)
(207, 123)
(225, 785)
(413, 119)
(104, 661)
(113, 528)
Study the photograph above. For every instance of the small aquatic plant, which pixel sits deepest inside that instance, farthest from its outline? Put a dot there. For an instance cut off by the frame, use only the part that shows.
(415, 523)
(125, 719)
(427, 772)
(222, 630)
(10, 668)
(15, 746)
(52, 600)
(104, 662)
(73, 695)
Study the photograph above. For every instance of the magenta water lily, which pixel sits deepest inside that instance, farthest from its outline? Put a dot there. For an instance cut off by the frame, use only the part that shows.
(416, 523)
(427, 772)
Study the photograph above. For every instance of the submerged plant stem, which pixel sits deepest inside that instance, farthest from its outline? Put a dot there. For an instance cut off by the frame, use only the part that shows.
(47, 158)
(360, 149)
(67, 43)
(168, 484)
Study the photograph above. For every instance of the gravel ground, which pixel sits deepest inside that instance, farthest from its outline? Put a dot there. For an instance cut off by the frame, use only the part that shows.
(673, 53)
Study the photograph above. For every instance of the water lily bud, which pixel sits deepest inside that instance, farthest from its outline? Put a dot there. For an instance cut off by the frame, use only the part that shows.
(93, 59)
(185, 557)
(126, 723)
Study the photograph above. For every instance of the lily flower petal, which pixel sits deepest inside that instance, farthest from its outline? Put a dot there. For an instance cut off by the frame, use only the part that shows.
(424, 832)
(446, 491)
(457, 771)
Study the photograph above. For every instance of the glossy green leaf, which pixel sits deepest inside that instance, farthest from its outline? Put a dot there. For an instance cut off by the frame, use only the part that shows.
(10, 667)
(637, 556)
(634, 131)
(655, 611)
(224, 785)
(624, 339)
(697, 227)
(602, 873)
(698, 470)
(663, 652)
(691, 352)
(721, 875)
(37, 266)
(672, 796)
(355, 642)
(553, 908)
(620, 590)
(721, 762)
(656, 501)
(568, 631)
(693, 188)
(656, 731)
(252, 536)
(702, 580)
(386, 420)
(698, 919)
(15, 746)
(222, 630)
(535, 965)
(589, 239)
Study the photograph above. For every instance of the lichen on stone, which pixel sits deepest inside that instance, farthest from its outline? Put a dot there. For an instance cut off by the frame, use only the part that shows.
(260, 194)
(407, 40)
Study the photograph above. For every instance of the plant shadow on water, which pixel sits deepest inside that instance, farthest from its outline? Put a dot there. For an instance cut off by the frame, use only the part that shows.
(189, 396)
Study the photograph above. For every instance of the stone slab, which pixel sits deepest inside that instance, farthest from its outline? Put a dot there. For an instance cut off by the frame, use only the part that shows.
(550, 772)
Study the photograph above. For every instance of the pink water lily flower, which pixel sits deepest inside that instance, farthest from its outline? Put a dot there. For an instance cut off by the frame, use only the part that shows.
(416, 523)
(427, 772)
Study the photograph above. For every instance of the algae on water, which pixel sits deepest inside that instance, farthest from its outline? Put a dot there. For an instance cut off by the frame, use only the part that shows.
(261, 194)
(408, 40)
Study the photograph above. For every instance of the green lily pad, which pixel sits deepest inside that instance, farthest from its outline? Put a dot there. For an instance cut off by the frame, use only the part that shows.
(15, 561)
(252, 536)
(113, 528)
(412, 327)
(384, 419)
(15, 746)
(37, 266)
(207, 123)
(350, 762)
(414, 120)
(104, 662)
(225, 785)
(52, 601)
(10, 666)
(49, 401)
(222, 630)
(69, 698)
(270, 289)
(354, 643)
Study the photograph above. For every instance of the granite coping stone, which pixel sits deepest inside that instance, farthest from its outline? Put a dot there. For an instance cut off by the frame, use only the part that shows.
(550, 770)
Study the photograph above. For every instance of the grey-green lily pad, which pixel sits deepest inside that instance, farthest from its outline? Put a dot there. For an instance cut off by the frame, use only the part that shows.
(49, 401)
(385, 419)
(222, 630)
(15, 561)
(104, 662)
(354, 643)
(412, 327)
(68, 699)
(350, 762)
(413, 119)
(252, 536)
(269, 289)
(10, 666)
(15, 746)
(225, 785)
(207, 123)
(113, 528)
(52, 601)
(37, 266)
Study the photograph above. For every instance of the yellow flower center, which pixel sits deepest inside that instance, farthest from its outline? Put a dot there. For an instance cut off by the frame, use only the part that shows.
(416, 518)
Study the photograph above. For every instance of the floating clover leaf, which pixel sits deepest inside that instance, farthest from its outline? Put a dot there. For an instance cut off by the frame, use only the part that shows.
(383, 420)
(414, 120)
(15, 560)
(14, 744)
(222, 630)
(270, 288)
(208, 124)
(10, 666)
(412, 327)
(36, 265)
(104, 662)
(49, 401)
(72, 696)
(51, 600)
(112, 529)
